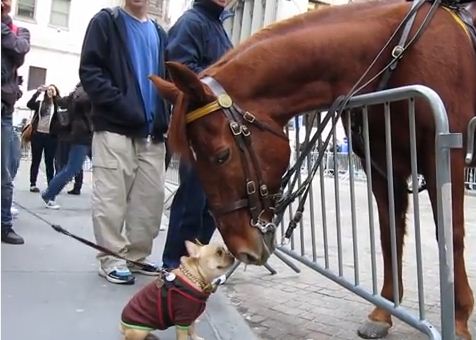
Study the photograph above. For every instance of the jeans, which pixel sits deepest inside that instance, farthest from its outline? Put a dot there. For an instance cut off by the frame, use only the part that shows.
(42, 142)
(61, 159)
(61, 155)
(7, 184)
(190, 218)
(15, 155)
(76, 157)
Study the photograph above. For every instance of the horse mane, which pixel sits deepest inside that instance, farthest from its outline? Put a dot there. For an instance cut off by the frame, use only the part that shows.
(276, 32)
(301, 21)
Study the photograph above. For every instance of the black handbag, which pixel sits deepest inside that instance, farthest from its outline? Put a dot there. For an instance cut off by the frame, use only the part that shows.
(64, 118)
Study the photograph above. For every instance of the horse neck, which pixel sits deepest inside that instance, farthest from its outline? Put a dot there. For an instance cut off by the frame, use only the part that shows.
(306, 69)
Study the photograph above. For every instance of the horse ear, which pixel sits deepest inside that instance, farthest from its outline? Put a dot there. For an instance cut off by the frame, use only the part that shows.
(186, 80)
(167, 89)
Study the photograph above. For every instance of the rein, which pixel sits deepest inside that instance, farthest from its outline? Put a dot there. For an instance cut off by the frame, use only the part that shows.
(336, 110)
(239, 120)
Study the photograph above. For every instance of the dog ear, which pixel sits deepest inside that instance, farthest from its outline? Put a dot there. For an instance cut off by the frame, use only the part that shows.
(192, 249)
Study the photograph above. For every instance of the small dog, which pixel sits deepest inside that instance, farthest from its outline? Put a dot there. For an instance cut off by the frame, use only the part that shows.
(176, 298)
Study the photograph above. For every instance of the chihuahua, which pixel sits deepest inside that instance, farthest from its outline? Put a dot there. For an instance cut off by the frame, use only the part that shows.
(177, 297)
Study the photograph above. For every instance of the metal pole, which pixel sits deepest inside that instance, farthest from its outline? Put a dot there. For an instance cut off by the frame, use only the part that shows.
(258, 16)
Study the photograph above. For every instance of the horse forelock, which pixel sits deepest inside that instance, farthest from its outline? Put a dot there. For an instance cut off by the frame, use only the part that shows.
(177, 134)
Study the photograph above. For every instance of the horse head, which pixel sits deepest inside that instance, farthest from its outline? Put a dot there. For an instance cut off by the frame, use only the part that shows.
(240, 166)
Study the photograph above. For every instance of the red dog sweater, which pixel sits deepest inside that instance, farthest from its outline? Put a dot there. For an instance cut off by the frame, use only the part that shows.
(163, 303)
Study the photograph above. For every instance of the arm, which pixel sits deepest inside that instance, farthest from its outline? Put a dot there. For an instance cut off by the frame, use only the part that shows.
(13, 44)
(93, 65)
(64, 102)
(33, 104)
(185, 44)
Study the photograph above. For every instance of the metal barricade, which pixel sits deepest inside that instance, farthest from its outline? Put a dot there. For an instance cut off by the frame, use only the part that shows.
(339, 227)
(470, 179)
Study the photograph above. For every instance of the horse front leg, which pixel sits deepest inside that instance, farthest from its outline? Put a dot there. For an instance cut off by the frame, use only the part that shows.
(379, 320)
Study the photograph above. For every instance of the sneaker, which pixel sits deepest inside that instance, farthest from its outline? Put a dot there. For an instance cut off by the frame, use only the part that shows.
(74, 192)
(153, 271)
(118, 275)
(14, 211)
(52, 205)
(49, 204)
(34, 188)
(11, 237)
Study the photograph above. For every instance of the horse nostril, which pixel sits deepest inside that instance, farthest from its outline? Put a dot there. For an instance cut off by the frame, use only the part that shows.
(248, 258)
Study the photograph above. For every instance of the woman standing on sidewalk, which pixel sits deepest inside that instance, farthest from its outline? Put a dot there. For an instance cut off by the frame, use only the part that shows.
(79, 138)
(44, 127)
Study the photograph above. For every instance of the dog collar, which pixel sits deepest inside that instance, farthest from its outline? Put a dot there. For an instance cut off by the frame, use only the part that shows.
(206, 287)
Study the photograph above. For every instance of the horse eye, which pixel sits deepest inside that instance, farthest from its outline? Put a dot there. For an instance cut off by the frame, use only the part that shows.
(222, 156)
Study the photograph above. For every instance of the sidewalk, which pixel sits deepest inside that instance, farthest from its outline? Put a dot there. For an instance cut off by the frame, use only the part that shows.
(50, 286)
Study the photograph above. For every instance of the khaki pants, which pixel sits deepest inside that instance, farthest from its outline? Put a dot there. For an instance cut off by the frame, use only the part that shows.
(128, 195)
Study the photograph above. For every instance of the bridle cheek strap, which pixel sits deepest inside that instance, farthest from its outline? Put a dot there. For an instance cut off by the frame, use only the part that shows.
(259, 201)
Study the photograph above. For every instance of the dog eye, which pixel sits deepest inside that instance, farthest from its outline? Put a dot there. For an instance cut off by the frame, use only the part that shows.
(222, 156)
(220, 252)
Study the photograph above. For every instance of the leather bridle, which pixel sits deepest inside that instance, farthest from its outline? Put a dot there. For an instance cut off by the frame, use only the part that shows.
(259, 201)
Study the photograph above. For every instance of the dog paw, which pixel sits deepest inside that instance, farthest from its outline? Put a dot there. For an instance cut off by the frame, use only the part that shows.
(151, 336)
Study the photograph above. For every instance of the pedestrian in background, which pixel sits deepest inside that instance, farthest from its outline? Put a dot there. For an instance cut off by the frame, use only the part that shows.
(78, 135)
(44, 126)
(15, 45)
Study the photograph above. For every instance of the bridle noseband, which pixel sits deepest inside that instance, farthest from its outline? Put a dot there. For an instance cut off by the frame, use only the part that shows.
(258, 200)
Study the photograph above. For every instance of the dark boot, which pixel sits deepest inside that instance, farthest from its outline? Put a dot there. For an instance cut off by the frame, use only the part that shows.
(11, 237)
(78, 183)
(75, 191)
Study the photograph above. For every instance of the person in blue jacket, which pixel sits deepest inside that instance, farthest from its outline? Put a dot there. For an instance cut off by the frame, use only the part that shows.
(197, 40)
(15, 45)
(121, 49)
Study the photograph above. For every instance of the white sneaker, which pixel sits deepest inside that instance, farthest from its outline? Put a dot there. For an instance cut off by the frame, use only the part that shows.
(52, 205)
(14, 211)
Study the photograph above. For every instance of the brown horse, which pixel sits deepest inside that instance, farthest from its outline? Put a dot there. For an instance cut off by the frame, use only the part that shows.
(304, 63)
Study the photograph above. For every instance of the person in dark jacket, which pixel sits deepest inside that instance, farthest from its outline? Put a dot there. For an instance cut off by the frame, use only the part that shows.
(44, 130)
(63, 146)
(79, 137)
(15, 45)
(121, 49)
(197, 40)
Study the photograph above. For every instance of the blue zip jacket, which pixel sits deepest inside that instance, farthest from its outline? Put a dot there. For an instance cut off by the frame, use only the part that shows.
(107, 75)
(198, 38)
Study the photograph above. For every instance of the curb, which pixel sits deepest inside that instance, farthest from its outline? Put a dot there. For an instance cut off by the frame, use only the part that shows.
(225, 321)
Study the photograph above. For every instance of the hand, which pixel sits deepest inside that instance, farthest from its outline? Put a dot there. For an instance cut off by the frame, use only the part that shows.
(41, 88)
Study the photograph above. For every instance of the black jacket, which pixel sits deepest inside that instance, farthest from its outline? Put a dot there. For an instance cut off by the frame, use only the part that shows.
(107, 74)
(198, 38)
(78, 107)
(14, 48)
(35, 105)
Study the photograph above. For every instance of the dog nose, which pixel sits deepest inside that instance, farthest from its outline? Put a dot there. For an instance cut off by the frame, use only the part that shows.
(248, 258)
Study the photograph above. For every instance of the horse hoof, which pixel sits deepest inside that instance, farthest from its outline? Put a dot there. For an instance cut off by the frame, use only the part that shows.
(373, 329)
